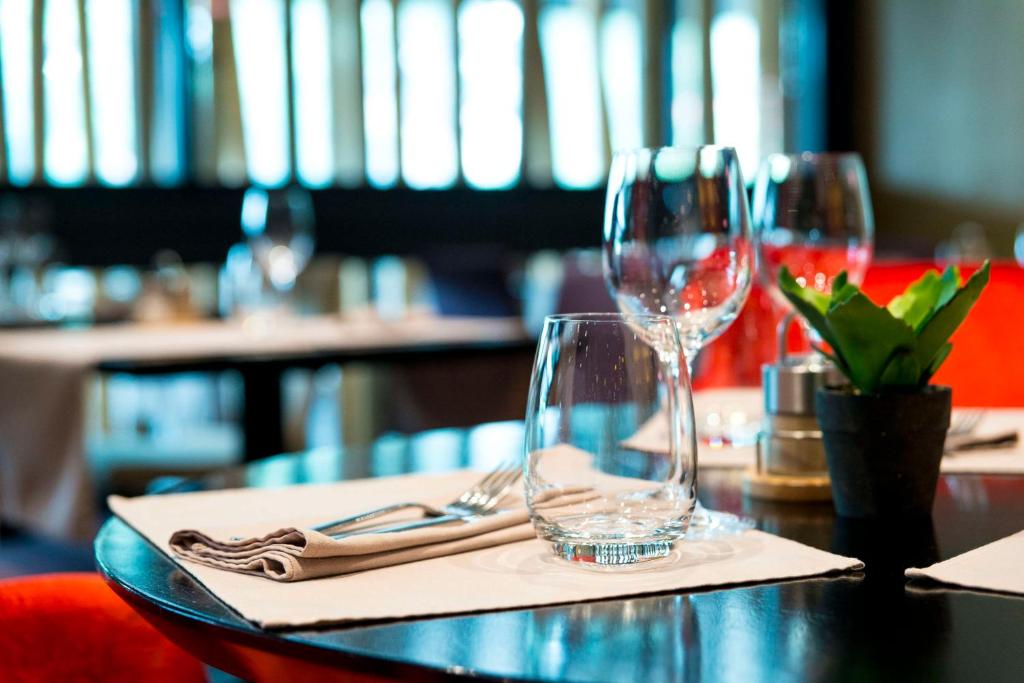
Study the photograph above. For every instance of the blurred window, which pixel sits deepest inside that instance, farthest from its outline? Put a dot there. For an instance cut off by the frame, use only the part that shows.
(425, 93)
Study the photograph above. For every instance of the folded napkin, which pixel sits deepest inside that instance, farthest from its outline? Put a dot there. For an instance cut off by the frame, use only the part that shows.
(295, 554)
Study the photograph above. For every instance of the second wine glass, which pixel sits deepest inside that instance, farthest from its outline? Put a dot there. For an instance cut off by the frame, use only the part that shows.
(812, 214)
(278, 225)
(677, 242)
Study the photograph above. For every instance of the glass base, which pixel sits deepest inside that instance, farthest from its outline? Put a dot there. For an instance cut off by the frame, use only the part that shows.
(612, 554)
(709, 524)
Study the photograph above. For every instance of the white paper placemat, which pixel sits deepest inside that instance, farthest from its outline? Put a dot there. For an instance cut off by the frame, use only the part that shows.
(515, 575)
(992, 567)
(743, 404)
(1009, 460)
(713, 410)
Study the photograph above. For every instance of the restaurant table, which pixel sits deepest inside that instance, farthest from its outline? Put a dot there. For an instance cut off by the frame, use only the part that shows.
(865, 626)
(45, 484)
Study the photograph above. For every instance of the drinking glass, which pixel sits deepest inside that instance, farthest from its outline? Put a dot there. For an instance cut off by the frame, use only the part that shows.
(677, 242)
(278, 226)
(597, 488)
(812, 214)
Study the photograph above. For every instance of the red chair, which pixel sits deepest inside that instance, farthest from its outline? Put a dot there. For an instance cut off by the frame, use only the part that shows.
(72, 627)
(986, 366)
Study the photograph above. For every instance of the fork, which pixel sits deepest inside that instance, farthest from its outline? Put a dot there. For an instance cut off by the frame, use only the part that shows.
(480, 498)
(965, 422)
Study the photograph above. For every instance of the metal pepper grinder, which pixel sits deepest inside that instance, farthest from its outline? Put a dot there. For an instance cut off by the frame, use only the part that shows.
(790, 452)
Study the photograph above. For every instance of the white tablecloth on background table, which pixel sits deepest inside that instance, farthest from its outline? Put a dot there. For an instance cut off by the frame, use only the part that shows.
(45, 484)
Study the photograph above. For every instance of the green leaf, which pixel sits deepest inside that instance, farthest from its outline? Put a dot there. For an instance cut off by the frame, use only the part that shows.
(791, 288)
(903, 370)
(843, 295)
(935, 333)
(811, 304)
(937, 362)
(916, 304)
(951, 282)
(867, 337)
(839, 282)
(835, 358)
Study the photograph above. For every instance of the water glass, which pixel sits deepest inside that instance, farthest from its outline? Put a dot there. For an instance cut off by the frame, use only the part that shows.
(610, 445)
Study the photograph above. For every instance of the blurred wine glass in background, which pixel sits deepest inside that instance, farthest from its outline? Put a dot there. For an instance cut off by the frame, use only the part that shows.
(812, 214)
(1018, 245)
(278, 227)
(967, 244)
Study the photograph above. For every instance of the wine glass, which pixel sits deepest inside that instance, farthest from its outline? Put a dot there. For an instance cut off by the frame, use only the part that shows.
(594, 488)
(677, 242)
(812, 214)
(278, 225)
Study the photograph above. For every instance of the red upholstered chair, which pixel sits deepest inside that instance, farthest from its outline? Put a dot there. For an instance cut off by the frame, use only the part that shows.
(986, 367)
(72, 627)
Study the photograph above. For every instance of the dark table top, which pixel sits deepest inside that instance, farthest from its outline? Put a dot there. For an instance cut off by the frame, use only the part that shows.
(854, 627)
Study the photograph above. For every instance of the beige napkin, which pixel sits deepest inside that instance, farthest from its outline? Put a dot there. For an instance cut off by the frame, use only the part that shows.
(512, 575)
(993, 567)
(291, 554)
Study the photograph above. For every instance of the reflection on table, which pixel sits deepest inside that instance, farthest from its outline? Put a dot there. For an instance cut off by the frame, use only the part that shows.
(871, 623)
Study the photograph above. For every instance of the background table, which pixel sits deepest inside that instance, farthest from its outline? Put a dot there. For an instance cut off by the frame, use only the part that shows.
(869, 626)
(45, 483)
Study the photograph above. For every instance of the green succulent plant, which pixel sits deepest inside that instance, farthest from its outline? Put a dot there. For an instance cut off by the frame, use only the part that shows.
(893, 348)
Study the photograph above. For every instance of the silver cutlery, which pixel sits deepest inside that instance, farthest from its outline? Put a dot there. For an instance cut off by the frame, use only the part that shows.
(965, 422)
(964, 443)
(479, 499)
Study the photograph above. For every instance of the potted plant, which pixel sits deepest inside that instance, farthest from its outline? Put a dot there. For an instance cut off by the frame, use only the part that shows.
(884, 432)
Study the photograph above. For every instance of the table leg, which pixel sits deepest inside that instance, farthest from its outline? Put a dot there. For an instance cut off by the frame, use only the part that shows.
(262, 417)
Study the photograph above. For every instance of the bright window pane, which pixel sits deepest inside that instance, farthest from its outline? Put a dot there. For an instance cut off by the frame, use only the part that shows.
(16, 59)
(568, 39)
(257, 30)
(311, 71)
(491, 75)
(111, 33)
(66, 159)
(687, 82)
(426, 62)
(380, 105)
(735, 68)
(622, 71)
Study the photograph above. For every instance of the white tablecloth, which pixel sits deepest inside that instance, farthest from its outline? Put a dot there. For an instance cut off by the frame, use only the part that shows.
(45, 484)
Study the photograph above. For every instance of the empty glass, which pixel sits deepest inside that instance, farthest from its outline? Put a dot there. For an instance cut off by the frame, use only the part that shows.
(677, 242)
(278, 225)
(812, 214)
(598, 488)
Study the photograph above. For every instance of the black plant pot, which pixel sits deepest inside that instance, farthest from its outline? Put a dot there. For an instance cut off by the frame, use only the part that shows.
(883, 451)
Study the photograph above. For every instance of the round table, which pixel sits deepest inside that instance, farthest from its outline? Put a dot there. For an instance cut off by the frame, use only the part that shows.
(862, 626)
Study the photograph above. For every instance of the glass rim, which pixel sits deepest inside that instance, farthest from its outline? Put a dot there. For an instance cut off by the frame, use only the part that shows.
(597, 317)
(810, 156)
(626, 151)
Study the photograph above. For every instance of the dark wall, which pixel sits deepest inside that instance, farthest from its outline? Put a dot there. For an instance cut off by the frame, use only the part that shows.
(938, 111)
(100, 226)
